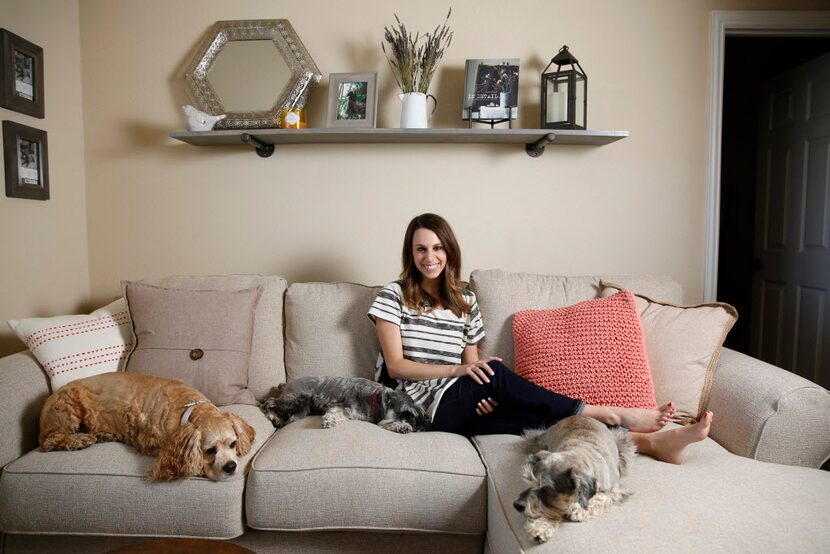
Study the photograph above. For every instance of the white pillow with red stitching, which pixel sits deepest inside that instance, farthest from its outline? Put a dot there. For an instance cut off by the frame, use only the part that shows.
(72, 347)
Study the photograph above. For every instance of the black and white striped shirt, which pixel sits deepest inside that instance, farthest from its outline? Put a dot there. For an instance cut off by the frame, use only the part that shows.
(434, 337)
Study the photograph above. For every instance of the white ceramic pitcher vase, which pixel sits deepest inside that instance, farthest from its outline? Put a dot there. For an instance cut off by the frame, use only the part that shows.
(414, 109)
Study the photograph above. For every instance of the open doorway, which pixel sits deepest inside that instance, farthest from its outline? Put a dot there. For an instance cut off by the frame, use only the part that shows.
(749, 61)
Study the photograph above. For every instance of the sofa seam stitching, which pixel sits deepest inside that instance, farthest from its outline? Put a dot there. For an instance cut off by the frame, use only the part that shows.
(498, 497)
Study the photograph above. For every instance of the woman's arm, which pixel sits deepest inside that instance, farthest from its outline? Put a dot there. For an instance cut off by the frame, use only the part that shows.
(389, 336)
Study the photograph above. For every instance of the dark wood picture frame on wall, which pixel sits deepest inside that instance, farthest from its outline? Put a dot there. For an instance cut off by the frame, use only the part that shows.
(21, 75)
(26, 156)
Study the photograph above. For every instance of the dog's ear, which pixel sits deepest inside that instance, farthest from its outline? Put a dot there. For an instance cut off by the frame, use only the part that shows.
(245, 434)
(564, 482)
(547, 494)
(536, 457)
(182, 457)
(585, 490)
(527, 473)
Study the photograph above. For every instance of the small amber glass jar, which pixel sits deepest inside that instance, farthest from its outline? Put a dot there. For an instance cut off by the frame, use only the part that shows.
(293, 118)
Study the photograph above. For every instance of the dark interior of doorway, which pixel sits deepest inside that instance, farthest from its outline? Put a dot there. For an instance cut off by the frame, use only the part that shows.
(748, 62)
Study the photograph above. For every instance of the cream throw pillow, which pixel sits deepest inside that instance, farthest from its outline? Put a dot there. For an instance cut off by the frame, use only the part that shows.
(683, 345)
(71, 347)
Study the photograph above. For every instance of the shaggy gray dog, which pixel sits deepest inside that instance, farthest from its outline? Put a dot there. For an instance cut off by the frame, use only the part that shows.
(340, 398)
(574, 474)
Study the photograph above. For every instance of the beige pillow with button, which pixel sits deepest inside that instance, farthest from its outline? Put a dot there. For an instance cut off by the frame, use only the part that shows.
(201, 337)
(683, 345)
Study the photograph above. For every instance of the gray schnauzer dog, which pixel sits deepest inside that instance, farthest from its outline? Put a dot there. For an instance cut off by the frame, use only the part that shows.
(340, 398)
(574, 475)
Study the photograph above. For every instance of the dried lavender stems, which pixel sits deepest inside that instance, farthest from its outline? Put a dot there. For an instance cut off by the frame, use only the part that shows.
(414, 64)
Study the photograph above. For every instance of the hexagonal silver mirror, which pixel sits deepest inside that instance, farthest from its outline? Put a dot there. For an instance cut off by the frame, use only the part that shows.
(250, 70)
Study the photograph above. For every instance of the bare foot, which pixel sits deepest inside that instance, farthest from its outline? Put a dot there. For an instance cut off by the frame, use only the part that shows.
(669, 446)
(638, 420)
(645, 421)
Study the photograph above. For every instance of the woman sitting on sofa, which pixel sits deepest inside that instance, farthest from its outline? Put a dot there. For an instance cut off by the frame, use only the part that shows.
(429, 328)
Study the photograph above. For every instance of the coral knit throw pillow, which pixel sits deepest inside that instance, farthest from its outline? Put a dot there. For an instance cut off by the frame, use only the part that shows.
(594, 351)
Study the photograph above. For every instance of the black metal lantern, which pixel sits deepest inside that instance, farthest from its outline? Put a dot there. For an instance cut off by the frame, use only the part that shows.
(564, 93)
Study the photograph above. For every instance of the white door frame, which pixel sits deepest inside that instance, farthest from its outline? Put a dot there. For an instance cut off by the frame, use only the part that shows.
(740, 23)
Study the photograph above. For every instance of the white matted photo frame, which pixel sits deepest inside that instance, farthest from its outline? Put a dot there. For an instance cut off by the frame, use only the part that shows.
(26, 156)
(21, 75)
(352, 100)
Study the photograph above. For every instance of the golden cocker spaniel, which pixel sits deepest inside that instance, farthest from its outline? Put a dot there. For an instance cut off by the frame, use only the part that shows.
(157, 416)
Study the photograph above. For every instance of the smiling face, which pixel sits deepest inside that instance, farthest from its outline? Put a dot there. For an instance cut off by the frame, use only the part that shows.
(428, 254)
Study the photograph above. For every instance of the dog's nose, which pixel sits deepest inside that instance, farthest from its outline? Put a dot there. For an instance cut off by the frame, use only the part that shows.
(520, 507)
(229, 467)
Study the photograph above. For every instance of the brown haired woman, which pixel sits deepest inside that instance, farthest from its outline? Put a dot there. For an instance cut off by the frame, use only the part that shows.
(429, 327)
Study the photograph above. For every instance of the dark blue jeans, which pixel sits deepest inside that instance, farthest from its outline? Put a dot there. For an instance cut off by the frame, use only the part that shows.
(522, 405)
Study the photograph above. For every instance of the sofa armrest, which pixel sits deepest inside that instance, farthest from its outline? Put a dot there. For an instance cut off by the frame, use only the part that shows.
(769, 414)
(24, 388)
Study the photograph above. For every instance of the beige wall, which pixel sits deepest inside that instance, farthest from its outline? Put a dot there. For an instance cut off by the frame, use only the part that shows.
(44, 268)
(156, 206)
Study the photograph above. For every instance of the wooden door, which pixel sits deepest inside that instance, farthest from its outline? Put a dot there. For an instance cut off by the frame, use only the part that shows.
(791, 286)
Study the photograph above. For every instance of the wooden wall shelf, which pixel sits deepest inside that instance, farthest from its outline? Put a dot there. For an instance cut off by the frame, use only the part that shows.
(264, 140)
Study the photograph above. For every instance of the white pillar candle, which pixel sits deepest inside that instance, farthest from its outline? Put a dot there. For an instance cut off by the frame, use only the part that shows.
(557, 106)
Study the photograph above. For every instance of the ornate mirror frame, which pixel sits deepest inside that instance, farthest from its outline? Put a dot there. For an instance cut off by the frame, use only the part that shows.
(304, 72)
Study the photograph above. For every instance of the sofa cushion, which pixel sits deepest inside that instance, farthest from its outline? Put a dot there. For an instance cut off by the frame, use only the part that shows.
(71, 347)
(104, 490)
(501, 294)
(200, 337)
(593, 350)
(714, 502)
(683, 344)
(327, 331)
(267, 366)
(359, 476)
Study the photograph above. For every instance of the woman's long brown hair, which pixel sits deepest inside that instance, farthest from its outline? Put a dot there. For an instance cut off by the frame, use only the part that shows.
(450, 290)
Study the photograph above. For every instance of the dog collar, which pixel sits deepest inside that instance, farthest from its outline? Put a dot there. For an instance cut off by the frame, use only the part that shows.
(375, 398)
(189, 409)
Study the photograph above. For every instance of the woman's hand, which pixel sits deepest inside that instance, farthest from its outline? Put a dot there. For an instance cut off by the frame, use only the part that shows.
(478, 370)
(486, 406)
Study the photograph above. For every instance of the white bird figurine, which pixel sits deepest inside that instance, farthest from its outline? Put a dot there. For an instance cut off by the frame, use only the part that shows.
(200, 121)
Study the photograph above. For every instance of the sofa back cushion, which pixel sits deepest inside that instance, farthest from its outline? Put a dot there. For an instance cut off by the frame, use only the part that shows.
(327, 331)
(501, 294)
(266, 366)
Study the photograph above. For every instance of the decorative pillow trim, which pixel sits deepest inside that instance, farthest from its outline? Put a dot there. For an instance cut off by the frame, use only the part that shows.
(72, 347)
(713, 363)
(121, 351)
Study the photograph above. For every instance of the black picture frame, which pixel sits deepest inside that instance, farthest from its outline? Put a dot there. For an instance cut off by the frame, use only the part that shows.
(492, 84)
(21, 75)
(26, 155)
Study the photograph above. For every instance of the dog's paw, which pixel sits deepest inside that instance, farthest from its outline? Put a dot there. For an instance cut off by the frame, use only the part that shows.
(597, 505)
(397, 427)
(106, 437)
(331, 420)
(541, 530)
(78, 441)
(578, 513)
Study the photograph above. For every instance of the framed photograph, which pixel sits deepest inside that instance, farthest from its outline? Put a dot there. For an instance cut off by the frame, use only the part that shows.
(26, 156)
(491, 89)
(352, 100)
(21, 75)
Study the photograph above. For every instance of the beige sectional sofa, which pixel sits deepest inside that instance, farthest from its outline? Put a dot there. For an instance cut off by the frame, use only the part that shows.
(752, 486)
